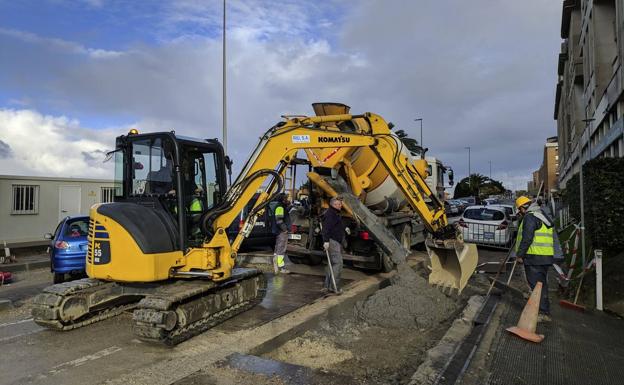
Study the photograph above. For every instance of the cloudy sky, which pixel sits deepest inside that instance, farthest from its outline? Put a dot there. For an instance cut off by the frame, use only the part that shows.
(75, 74)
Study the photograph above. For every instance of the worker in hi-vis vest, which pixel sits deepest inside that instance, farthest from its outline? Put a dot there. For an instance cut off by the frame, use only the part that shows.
(196, 209)
(537, 247)
(281, 225)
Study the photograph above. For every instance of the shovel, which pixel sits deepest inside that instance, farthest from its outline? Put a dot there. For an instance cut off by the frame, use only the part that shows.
(331, 271)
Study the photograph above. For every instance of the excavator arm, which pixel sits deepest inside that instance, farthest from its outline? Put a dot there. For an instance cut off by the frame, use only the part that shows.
(279, 145)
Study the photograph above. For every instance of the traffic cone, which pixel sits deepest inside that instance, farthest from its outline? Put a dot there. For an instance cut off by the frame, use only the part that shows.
(528, 319)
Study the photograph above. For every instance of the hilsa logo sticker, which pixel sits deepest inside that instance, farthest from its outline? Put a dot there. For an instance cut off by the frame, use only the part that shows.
(301, 138)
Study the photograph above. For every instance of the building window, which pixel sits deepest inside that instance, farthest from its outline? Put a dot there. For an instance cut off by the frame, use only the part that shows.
(25, 199)
(107, 194)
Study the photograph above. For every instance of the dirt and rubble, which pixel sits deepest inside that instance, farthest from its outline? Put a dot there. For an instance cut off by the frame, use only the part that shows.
(409, 302)
(382, 339)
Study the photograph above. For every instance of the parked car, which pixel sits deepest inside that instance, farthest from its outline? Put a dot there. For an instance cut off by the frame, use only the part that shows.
(471, 201)
(486, 225)
(68, 248)
(460, 204)
(452, 208)
(490, 201)
(512, 214)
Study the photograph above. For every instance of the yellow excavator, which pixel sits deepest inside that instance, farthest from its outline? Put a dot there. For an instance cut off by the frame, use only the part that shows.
(162, 248)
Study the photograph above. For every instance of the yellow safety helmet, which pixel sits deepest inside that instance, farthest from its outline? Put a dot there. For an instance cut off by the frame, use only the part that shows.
(521, 201)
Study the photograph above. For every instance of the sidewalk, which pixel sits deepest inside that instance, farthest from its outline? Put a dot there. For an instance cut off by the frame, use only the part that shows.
(27, 263)
(579, 348)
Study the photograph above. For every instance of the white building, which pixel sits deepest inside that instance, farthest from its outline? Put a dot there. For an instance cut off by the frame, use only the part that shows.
(33, 206)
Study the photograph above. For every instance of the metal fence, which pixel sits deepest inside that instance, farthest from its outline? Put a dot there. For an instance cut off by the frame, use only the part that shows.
(497, 236)
(564, 217)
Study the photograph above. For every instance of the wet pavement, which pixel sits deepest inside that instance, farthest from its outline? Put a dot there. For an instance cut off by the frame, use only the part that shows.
(578, 348)
(285, 294)
(108, 349)
(288, 373)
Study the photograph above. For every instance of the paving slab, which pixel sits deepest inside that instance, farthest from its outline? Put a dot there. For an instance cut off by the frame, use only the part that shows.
(579, 347)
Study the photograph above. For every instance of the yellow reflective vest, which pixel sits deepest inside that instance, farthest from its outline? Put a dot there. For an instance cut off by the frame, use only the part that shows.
(543, 241)
(196, 206)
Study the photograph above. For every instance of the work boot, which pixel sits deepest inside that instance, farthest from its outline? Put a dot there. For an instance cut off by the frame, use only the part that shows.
(283, 270)
(275, 268)
(544, 318)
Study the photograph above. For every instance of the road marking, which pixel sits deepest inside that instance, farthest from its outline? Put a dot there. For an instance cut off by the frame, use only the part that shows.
(4, 339)
(83, 360)
(16, 322)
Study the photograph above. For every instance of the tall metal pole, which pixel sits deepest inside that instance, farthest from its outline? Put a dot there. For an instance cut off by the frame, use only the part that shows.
(469, 181)
(224, 89)
(468, 148)
(422, 148)
(490, 162)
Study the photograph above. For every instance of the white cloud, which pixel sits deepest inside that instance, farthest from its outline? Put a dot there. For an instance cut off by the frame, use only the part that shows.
(482, 75)
(54, 146)
(55, 44)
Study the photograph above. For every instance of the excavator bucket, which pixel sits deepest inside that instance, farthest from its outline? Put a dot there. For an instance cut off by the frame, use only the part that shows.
(452, 263)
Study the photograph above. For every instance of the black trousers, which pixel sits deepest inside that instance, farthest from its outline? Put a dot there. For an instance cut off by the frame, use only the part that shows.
(539, 273)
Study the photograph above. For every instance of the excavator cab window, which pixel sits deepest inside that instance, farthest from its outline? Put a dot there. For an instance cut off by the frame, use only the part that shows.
(152, 168)
(199, 170)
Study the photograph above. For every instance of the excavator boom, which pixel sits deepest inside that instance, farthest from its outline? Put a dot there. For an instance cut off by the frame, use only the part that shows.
(452, 260)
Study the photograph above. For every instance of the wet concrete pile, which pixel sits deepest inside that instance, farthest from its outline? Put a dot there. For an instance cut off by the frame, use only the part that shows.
(408, 303)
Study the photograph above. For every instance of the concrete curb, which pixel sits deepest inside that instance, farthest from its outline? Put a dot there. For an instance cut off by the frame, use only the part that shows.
(437, 358)
(27, 266)
(5, 304)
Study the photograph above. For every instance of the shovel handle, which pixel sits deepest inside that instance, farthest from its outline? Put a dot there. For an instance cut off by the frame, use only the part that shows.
(331, 271)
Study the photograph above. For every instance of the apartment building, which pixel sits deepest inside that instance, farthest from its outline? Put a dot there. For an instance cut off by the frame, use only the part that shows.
(546, 177)
(548, 172)
(589, 101)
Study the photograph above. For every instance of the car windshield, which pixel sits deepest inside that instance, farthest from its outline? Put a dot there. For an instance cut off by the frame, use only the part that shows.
(77, 228)
(484, 214)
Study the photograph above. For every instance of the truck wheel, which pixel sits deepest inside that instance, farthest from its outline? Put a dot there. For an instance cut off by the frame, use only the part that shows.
(386, 263)
(58, 278)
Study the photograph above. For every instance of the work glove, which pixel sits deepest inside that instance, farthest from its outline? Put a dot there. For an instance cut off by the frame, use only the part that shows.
(326, 245)
(283, 227)
(348, 231)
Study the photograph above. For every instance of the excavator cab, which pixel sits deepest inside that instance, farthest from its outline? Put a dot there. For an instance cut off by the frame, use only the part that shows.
(180, 178)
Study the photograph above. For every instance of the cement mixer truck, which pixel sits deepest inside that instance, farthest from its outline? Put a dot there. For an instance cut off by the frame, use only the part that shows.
(383, 202)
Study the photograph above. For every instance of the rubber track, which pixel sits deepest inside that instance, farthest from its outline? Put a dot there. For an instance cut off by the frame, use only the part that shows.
(46, 306)
(147, 331)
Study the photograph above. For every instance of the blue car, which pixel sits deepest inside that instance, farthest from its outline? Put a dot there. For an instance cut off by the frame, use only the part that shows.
(68, 248)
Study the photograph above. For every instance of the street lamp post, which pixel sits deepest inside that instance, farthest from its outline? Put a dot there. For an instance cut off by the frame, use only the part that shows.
(469, 181)
(468, 148)
(224, 88)
(422, 147)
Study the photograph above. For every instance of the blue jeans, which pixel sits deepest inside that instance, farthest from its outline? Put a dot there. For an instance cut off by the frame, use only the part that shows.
(535, 273)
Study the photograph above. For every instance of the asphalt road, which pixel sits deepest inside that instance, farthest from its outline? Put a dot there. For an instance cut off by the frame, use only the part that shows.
(108, 349)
